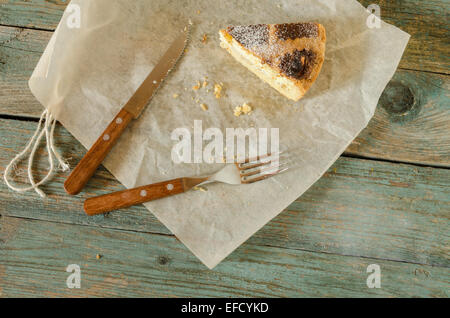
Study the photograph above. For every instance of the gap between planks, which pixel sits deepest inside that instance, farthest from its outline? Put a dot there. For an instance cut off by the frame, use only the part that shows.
(287, 272)
(253, 243)
(345, 155)
(21, 28)
(424, 21)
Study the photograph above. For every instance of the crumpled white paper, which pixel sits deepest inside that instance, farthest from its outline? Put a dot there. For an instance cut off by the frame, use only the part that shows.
(87, 74)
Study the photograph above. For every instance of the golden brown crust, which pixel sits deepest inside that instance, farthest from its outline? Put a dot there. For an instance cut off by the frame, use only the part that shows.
(296, 50)
(296, 30)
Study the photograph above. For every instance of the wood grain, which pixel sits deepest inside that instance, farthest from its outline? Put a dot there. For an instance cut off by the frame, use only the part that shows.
(20, 51)
(127, 198)
(411, 123)
(34, 256)
(39, 14)
(361, 212)
(90, 162)
(426, 21)
(360, 207)
(405, 131)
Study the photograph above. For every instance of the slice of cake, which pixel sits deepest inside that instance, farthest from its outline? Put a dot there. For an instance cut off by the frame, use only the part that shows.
(289, 57)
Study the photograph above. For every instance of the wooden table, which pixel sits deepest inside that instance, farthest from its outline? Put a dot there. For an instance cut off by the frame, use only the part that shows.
(386, 201)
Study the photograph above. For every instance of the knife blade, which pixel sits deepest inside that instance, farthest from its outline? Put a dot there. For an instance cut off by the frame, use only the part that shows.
(131, 110)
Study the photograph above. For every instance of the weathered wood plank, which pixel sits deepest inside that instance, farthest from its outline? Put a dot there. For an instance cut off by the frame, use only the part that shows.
(20, 51)
(34, 256)
(411, 124)
(40, 14)
(360, 207)
(426, 21)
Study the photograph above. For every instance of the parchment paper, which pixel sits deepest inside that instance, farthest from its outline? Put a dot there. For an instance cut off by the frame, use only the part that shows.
(86, 75)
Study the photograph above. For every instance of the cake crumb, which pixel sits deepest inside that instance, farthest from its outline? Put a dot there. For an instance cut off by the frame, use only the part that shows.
(196, 87)
(204, 38)
(245, 109)
(204, 107)
(205, 83)
(175, 96)
(98, 256)
(218, 90)
(200, 188)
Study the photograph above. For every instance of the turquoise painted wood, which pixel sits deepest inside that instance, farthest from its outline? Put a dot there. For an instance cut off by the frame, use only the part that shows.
(411, 123)
(361, 212)
(35, 254)
(360, 207)
(426, 21)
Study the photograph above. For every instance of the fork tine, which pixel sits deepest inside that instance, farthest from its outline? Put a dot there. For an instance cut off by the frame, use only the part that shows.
(262, 160)
(258, 158)
(262, 168)
(251, 170)
(258, 169)
(263, 171)
(245, 180)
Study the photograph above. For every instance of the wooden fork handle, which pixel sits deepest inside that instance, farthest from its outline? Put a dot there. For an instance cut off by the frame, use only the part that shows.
(95, 156)
(127, 198)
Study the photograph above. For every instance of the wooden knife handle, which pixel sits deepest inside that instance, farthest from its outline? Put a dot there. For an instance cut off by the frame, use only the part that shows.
(95, 156)
(127, 198)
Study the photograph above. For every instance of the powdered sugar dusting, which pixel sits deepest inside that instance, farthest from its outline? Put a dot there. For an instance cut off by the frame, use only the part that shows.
(256, 38)
(274, 44)
(250, 36)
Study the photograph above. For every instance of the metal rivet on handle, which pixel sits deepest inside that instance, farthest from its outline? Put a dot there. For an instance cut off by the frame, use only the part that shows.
(143, 193)
(119, 121)
(170, 187)
(106, 137)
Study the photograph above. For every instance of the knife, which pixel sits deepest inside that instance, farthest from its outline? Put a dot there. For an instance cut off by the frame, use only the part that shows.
(132, 109)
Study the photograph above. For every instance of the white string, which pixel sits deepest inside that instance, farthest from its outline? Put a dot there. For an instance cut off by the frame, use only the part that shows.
(48, 130)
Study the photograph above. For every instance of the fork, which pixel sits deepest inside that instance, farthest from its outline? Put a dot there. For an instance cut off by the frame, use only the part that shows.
(246, 172)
